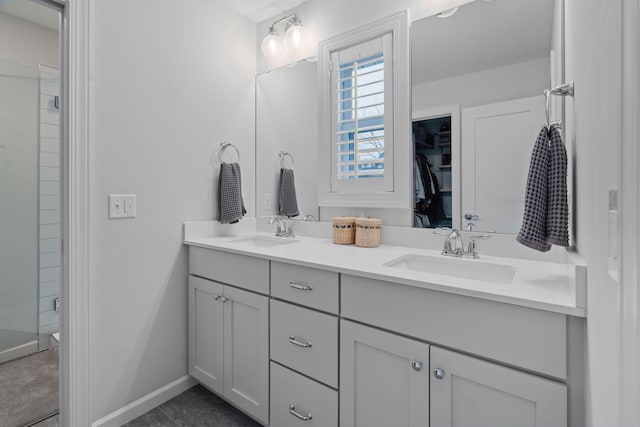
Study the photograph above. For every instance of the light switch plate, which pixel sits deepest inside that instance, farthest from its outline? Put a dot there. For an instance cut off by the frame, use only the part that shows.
(122, 206)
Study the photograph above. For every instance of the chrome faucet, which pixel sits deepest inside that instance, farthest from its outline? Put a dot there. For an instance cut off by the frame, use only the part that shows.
(283, 228)
(454, 246)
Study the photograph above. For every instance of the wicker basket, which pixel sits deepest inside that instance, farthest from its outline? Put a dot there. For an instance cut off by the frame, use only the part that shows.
(344, 230)
(368, 232)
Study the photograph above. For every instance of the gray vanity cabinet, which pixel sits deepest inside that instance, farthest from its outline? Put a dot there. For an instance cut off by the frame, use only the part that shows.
(469, 392)
(384, 378)
(229, 342)
(206, 333)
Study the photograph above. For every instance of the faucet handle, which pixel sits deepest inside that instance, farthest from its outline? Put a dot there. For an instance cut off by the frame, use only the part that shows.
(479, 236)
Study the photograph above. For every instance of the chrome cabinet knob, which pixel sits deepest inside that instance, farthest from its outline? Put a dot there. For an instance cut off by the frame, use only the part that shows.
(224, 299)
(438, 373)
(469, 216)
(416, 365)
(216, 297)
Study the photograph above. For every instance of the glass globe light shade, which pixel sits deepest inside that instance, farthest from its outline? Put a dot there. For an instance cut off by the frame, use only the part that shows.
(295, 37)
(272, 46)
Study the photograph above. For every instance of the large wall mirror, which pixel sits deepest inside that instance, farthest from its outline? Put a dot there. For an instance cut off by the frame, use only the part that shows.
(478, 78)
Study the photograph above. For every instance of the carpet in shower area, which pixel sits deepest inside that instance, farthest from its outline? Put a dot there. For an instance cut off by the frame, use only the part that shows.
(29, 388)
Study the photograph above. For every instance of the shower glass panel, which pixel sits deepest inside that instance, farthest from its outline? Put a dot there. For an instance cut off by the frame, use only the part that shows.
(29, 207)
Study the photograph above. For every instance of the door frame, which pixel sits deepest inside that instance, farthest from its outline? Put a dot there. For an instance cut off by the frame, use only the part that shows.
(452, 110)
(629, 229)
(75, 400)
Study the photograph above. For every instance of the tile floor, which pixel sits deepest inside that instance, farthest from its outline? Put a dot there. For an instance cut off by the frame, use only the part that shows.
(29, 388)
(196, 407)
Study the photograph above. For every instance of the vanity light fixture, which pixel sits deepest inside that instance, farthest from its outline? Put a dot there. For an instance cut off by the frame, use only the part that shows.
(447, 13)
(295, 38)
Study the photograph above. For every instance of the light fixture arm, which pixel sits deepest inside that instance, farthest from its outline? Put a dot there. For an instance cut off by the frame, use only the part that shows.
(289, 19)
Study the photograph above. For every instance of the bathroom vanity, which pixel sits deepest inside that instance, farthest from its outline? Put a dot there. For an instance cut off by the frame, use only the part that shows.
(303, 332)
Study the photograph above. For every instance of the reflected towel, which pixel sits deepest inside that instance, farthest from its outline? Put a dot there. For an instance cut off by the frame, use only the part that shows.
(557, 231)
(533, 232)
(287, 201)
(230, 204)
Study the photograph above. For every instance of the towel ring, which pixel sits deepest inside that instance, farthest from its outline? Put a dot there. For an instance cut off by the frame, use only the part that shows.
(284, 154)
(224, 145)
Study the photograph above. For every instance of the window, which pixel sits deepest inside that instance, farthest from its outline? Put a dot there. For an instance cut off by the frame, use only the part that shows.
(364, 113)
(362, 133)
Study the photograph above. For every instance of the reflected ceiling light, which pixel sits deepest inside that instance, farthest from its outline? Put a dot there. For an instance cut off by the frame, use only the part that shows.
(295, 38)
(447, 13)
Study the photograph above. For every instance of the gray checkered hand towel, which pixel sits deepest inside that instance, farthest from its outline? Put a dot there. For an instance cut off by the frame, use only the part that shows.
(533, 232)
(557, 204)
(230, 205)
(287, 201)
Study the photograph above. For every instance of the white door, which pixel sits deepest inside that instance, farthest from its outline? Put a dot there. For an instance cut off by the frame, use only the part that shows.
(496, 146)
(469, 392)
(384, 379)
(246, 351)
(206, 353)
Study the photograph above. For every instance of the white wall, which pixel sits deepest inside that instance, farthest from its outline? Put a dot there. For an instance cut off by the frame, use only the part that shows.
(514, 81)
(49, 213)
(27, 43)
(169, 82)
(593, 58)
(327, 18)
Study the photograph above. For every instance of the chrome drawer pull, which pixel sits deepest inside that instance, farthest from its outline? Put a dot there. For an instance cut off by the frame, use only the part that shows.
(292, 411)
(294, 285)
(292, 340)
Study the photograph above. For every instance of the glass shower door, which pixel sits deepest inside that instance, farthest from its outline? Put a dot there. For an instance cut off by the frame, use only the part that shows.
(29, 207)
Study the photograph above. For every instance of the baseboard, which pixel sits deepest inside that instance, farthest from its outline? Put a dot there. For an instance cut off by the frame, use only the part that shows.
(146, 403)
(19, 351)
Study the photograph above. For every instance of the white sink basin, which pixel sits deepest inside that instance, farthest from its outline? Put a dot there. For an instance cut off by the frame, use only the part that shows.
(263, 241)
(463, 268)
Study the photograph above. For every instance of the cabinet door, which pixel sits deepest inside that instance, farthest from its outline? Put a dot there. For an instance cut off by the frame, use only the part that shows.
(206, 332)
(246, 351)
(475, 393)
(384, 379)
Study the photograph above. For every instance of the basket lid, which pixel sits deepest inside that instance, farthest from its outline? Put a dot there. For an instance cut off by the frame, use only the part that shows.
(369, 221)
(343, 220)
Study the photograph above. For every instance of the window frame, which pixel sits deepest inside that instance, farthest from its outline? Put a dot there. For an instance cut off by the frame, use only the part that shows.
(395, 191)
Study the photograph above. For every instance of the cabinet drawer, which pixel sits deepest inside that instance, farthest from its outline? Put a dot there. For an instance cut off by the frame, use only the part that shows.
(306, 286)
(292, 393)
(233, 269)
(305, 340)
(518, 336)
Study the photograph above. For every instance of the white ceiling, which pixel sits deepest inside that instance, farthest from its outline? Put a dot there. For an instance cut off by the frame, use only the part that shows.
(254, 10)
(259, 10)
(480, 36)
(32, 12)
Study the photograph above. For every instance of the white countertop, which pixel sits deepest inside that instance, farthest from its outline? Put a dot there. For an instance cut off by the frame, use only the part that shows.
(541, 285)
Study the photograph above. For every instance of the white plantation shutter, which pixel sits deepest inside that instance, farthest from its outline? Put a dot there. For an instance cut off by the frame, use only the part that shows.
(362, 117)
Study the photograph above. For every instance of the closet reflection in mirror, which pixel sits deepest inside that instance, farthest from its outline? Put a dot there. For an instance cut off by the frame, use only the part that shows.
(482, 71)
